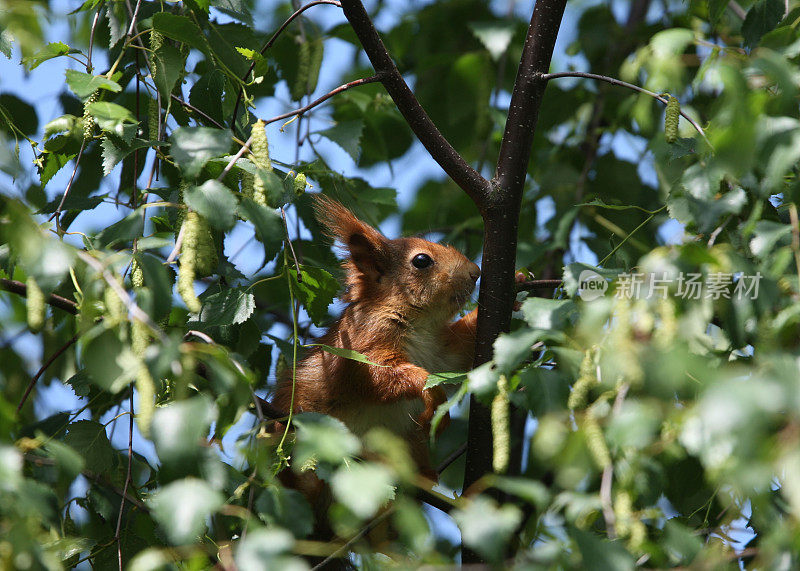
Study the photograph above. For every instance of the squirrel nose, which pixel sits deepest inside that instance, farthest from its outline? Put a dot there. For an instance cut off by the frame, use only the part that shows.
(475, 272)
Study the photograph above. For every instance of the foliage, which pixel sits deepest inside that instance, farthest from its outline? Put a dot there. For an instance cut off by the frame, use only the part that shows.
(666, 426)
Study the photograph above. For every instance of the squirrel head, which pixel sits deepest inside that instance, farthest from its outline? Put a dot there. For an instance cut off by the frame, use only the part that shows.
(410, 278)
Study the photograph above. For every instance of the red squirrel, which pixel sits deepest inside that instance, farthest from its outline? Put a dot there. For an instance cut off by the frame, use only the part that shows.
(401, 297)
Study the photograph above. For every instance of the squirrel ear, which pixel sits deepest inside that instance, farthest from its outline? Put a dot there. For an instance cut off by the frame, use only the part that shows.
(368, 248)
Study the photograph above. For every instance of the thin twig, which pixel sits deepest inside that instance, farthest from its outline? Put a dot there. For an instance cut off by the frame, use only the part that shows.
(91, 476)
(44, 367)
(364, 531)
(529, 285)
(55, 300)
(96, 18)
(194, 109)
(455, 455)
(242, 150)
(269, 45)
(605, 500)
(69, 184)
(291, 248)
(133, 17)
(324, 98)
(737, 9)
(620, 83)
(173, 255)
(125, 487)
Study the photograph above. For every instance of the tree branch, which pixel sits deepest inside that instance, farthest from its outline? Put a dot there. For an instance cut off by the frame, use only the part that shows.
(620, 83)
(55, 300)
(501, 219)
(305, 108)
(439, 148)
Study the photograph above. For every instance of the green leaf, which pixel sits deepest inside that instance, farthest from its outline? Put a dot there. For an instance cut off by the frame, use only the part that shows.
(316, 290)
(88, 438)
(265, 549)
(682, 147)
(544, 390)
(105, 111)
(114, 150)
(532, 491)
(541, 313)
(84, 84)
(767, 235)
(483, 379)
(485, 527)
(363, 487)
(681, 545)
(122, 232)
(351, 354)
(323, 438)
(762, 17)
(268, 226)
(436, 379)
(69, 462)
(511, 348)
(169, 64)
(109, 362)
(495, 36)
(602, 554)
(214, 202)
(178, 427)
(193, 147)
(228, 307)
(207, 95)
(5, 43)
(50, 51)
(238, 9)
(283, 507)
(182, 29)
(346, 134)
(716, 8)
(182, 508)
(158, 280)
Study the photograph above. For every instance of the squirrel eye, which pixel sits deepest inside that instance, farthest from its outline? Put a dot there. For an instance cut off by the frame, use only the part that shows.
(421, 261)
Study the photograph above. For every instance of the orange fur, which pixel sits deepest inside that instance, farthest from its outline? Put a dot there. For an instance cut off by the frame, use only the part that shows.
(398, 315)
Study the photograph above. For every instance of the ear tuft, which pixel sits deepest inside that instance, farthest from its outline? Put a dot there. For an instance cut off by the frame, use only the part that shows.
(368, 248)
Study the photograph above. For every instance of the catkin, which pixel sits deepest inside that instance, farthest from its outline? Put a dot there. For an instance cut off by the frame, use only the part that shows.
(623, 513)
(153, 116)
(115, 308)
(186, 275)
(300, 184)
(88, 119)
(137, 276)
(587, 378)
(595, 441)
(146, 388)
(35, 305)
(501, 427)
(259, 149)
(206, 258)
(248, 180)
(671, 119)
